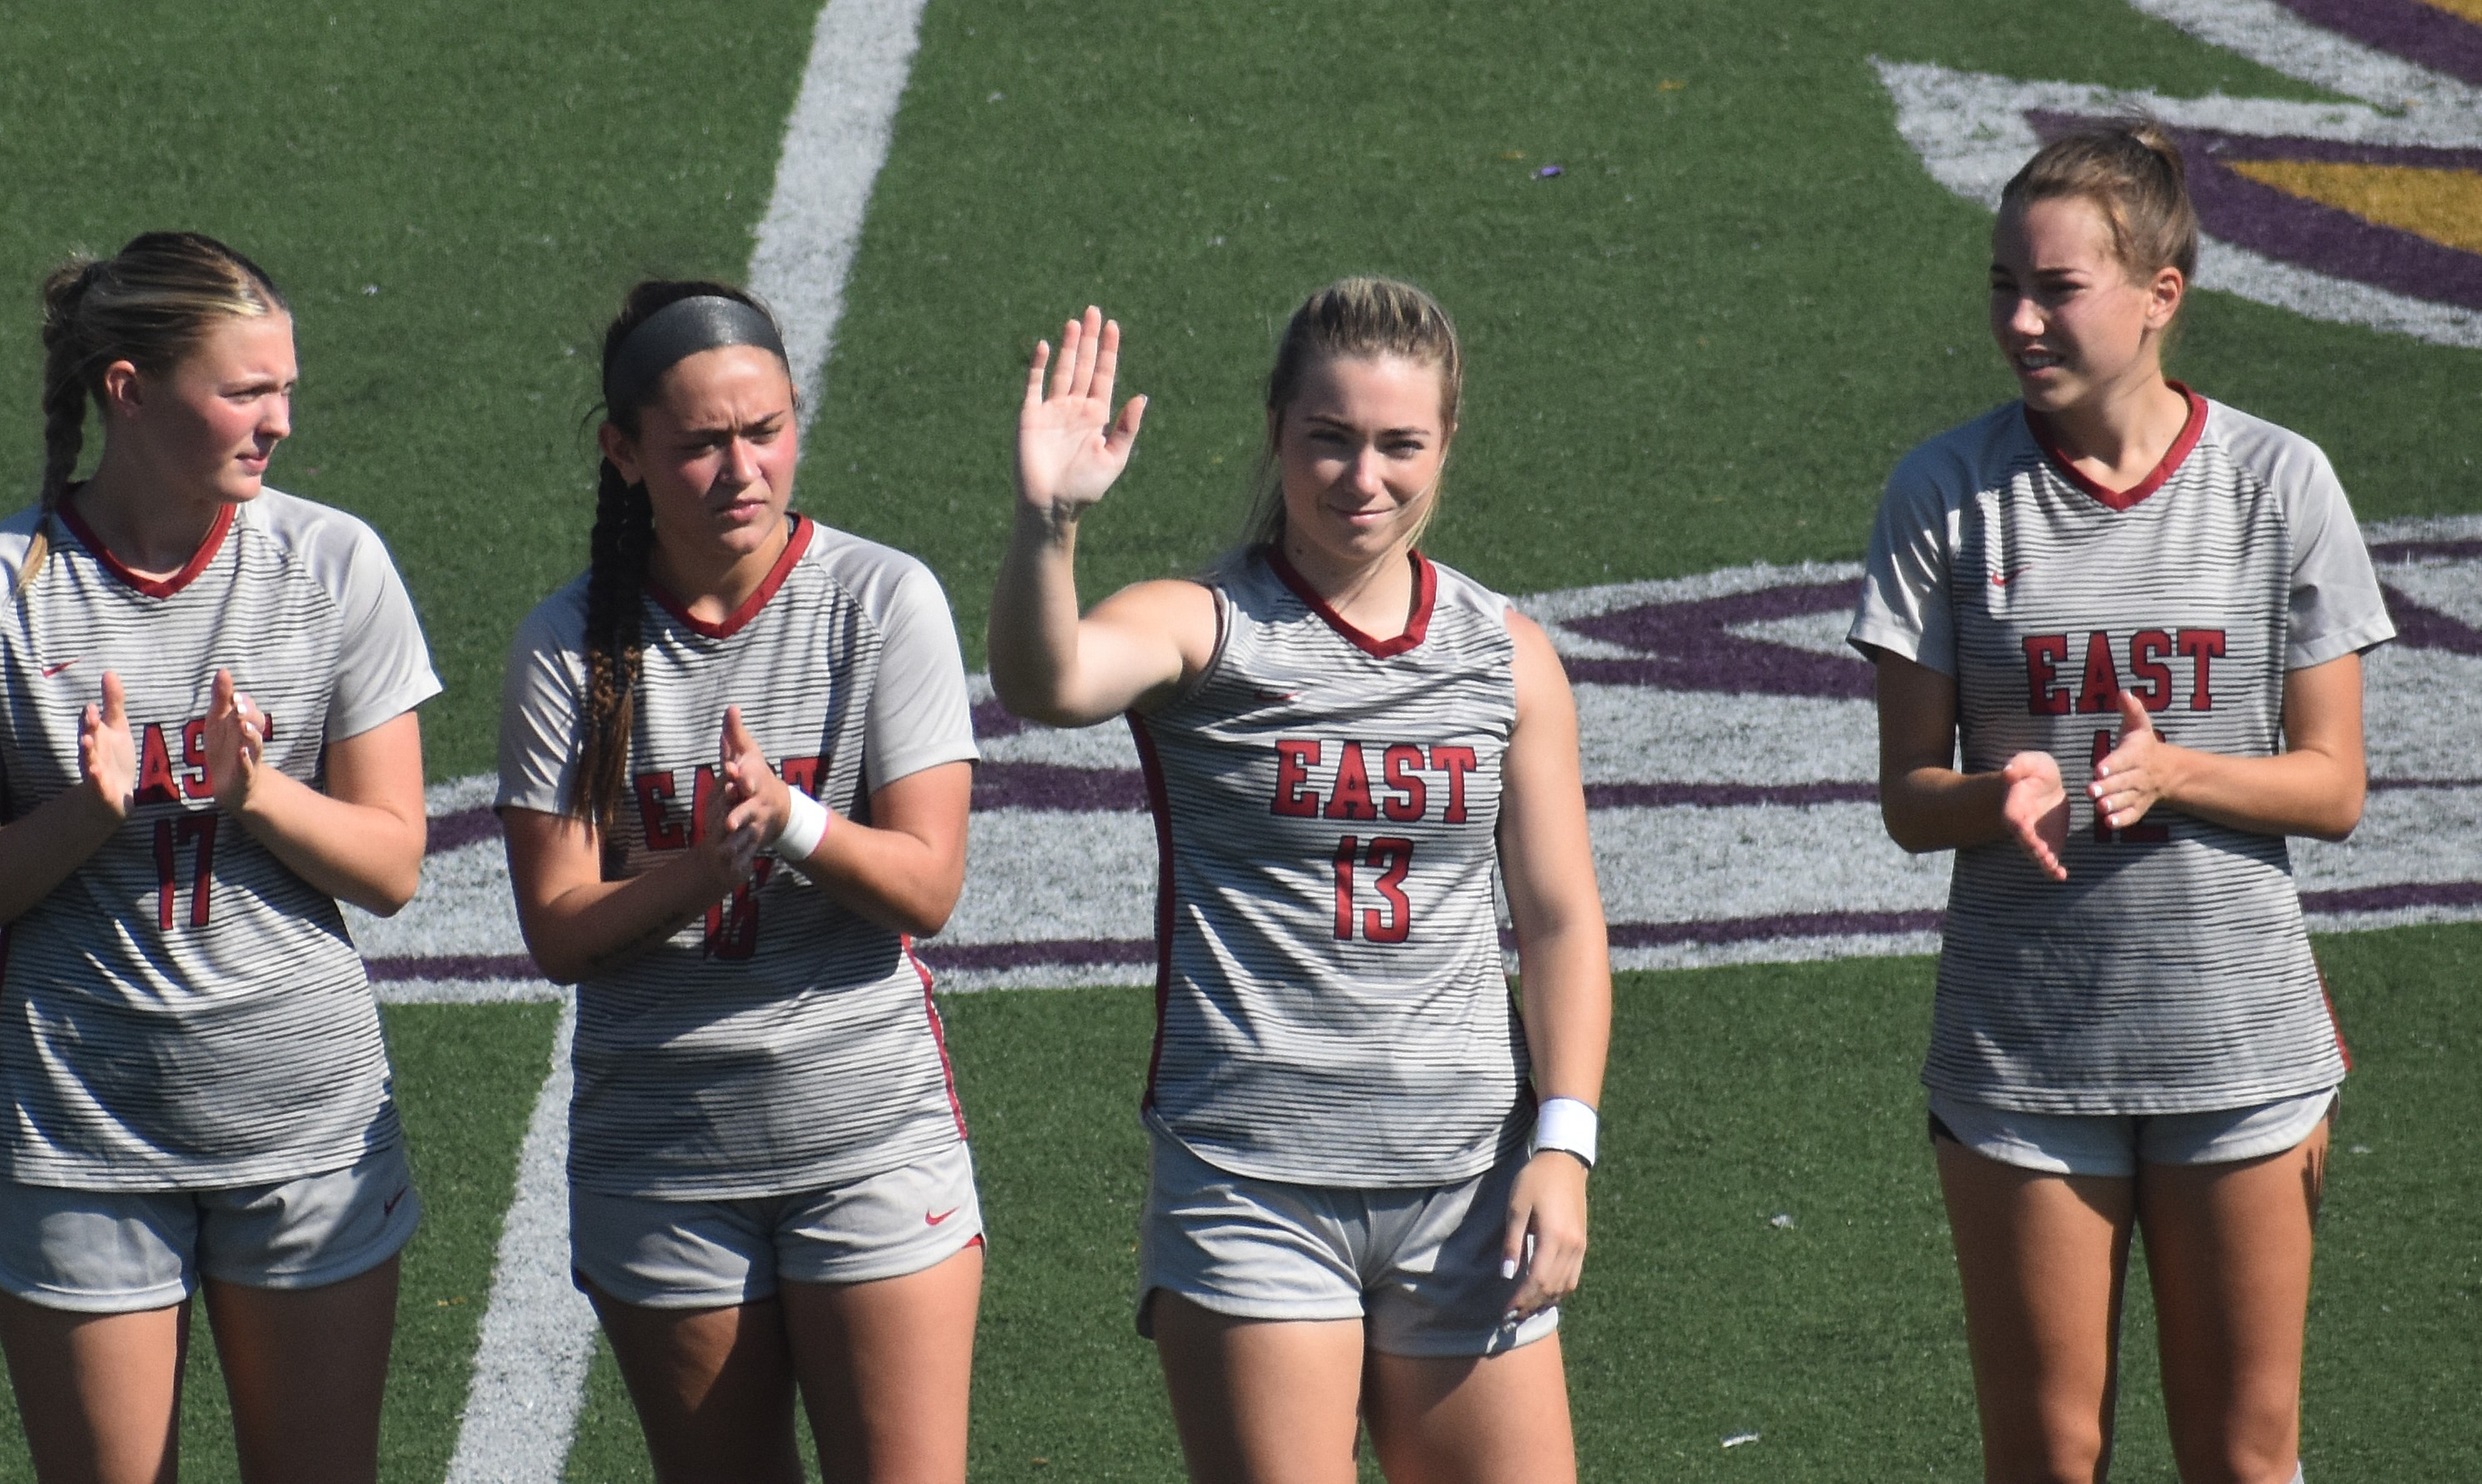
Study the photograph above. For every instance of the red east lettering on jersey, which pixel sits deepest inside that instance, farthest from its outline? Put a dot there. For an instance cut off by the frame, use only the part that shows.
(155, 780)
(2146, 650)
(1456, 762)
(1351, 800)
(2043, 653)
(1294, 758)
(1403, 758)
(655, 793)
(2201, 646)
(2101, 687)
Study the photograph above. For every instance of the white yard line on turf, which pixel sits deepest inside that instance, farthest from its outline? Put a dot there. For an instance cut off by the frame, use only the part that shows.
(538, 1333)
(834, 144)
(530, 1369)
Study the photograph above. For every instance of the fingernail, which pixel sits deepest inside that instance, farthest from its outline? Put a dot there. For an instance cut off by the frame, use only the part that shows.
(1508, 1268)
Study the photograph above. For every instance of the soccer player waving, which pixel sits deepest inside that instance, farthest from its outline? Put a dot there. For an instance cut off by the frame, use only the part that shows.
(1369, 1166)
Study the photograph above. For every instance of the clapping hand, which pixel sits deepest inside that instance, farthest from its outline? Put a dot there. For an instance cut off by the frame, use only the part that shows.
(2036, 810)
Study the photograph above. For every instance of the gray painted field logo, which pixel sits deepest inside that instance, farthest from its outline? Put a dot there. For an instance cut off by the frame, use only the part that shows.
(2368, 215)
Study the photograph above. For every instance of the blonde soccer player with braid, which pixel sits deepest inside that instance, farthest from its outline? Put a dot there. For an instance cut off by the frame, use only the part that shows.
(209, 743)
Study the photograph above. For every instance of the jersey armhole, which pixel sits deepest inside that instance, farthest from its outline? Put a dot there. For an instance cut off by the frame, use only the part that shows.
(1215, 656)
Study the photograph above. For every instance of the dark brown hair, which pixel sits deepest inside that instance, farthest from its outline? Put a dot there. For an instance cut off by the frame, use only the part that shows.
(148, 304)
(2132, 171)
(623, 540)
(1361, 316)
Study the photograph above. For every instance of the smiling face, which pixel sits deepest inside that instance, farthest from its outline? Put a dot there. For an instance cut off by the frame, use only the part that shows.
(715, 450)
(2076, 323)
(207, 428)
(1360, 452)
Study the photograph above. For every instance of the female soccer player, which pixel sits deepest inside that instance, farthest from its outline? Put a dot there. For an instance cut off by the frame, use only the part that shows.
(2140, 615)
(1342, 738)
(734, 766)
(209, 741)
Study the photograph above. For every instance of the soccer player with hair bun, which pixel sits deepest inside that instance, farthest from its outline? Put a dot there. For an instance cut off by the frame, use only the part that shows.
(734, 770)
(2118, 630)
(209, 741)
(1368, 1186)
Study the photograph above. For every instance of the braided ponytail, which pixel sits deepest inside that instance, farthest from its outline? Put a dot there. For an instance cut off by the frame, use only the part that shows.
(148, 304)
(623, 540)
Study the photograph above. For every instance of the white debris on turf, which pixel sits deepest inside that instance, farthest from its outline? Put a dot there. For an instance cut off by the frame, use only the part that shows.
(1740, 1439)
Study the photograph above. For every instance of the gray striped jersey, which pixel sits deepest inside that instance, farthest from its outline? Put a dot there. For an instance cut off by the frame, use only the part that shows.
(183, 1011)
(2171, 971)
(781, 1043)
(1331, 1007)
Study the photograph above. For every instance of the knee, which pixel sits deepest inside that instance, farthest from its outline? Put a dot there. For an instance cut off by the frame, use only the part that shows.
(2070, 1453)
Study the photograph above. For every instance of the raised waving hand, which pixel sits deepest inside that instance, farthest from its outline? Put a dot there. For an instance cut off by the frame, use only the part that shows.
(1069, 446)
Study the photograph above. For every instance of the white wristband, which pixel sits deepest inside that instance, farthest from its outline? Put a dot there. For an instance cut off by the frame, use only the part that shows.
(804, 827)
(1565, 1124)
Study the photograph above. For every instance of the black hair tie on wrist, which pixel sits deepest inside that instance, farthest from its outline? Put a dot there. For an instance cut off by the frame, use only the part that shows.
(676, 332)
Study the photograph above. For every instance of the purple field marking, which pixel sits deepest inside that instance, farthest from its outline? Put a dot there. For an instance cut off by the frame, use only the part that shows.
(453, 966)
(463, 828)
(1054, 786)
(2418, 33)
(2445, 551)
(991, 719)
(2334, 241)
(2395, 898)
(1688, 646)
(2419, 627)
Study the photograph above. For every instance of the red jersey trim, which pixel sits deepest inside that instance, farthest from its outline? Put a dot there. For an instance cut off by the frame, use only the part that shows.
(151, 587)
(740, 617)
(1159, 804)
(939, 1033)
(2190, 432)
(1425, 589)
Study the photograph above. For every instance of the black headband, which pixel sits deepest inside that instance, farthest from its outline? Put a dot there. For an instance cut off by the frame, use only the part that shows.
(679, 330)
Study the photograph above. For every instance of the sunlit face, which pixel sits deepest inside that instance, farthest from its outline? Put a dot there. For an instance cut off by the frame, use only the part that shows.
(715, 451)
(210, 424)
(2072, 320)
(1360, 450)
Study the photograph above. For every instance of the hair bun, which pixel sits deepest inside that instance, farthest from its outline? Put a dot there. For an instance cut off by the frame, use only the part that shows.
(63, 291)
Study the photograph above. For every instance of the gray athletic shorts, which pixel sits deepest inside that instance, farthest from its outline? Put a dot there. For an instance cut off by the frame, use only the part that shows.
(1420, 1267)
(667, 1254)
(2115, 1144)
(123, 1251)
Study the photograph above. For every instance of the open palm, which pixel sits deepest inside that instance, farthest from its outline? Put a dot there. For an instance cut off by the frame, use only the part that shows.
(1069, 447)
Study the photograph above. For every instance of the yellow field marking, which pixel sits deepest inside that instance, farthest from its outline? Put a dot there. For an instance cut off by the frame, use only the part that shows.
(2442, 205)
(2470, 10)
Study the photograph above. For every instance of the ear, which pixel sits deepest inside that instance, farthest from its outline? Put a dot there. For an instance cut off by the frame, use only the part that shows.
(2164, 296)
(622, 450)
(123, 389)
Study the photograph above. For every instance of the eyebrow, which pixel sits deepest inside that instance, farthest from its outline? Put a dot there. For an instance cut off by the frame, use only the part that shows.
(1411, 430)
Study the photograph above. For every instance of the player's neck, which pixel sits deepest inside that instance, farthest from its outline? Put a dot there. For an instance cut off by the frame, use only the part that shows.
(2120, 434)
(148, 525)
(712, 584)
(1374, 596)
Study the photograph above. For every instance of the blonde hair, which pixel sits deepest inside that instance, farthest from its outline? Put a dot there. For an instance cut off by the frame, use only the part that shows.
(2133, 173)
(148, 304)
(1360, 316)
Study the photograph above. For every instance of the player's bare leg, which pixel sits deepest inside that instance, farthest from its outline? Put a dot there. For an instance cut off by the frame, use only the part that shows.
(885, 1370)
(307, 1369)
(2041, 1257)
(1261, 1401)
(713, 1389)
(1500, 1419)
(98, 1394)
(2228, 1247)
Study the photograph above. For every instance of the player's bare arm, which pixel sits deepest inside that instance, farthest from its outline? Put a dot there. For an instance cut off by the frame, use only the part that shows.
(1563, 956)
(1928, 804)
(903, 870)
(578, 924)
(360, 840)
(2313, 787)
(47, 846)
(1047, 663)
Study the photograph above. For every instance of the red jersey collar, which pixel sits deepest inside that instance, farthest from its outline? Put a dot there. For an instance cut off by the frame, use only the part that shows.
(2112, 499)
(152, 587)
(735, 621)
(1425, 588)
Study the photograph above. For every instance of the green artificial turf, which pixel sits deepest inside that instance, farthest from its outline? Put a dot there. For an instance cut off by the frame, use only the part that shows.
(1705, 342)
(466, 1081)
